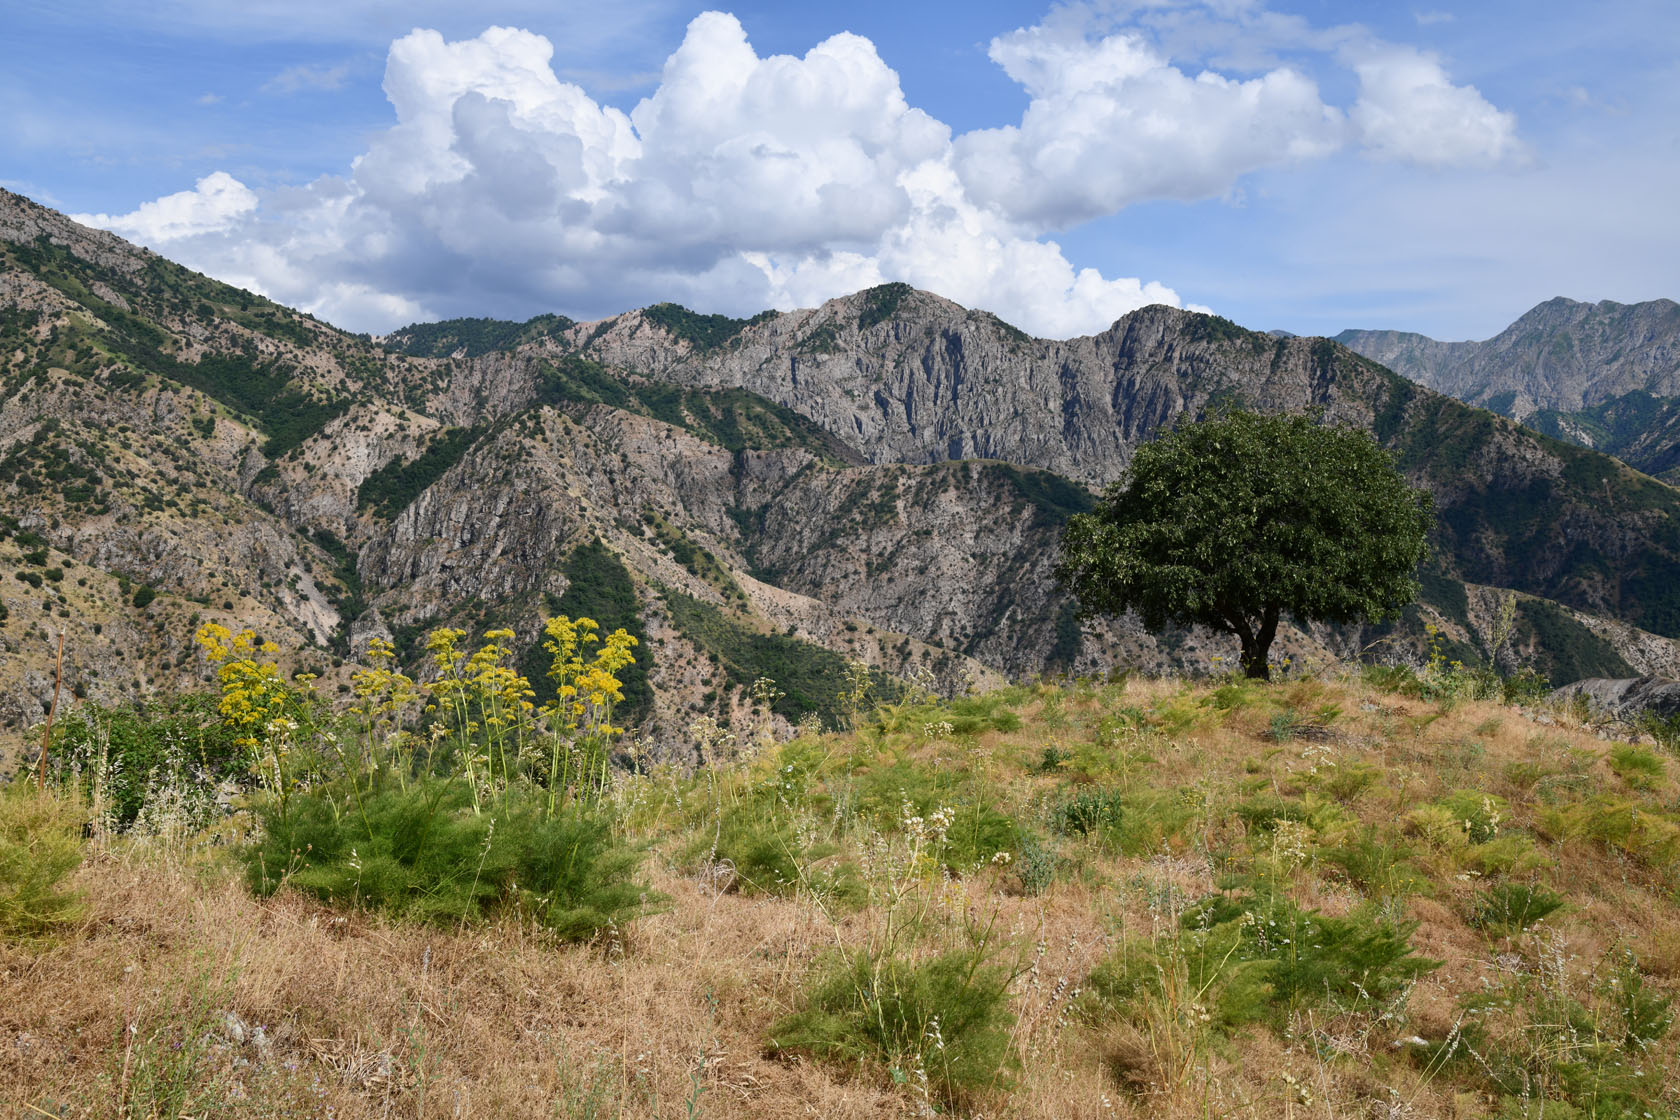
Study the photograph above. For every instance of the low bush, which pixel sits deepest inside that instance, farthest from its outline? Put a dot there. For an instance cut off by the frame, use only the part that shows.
(1616, 824)
(1262, 814)
(1664, 730)
(1400, 679)
(1645, 1015)
(977, 829)
(1510, 853)
(1315, 957)
(1639, 767)
(1200, 976)
(1344, 783)
(171, 750)
(978, 832)
(768, 856)
(764, 853)
(1526, 686)
(1092, 813)
(421, 852)
(1153, 819)
(1233, 696)
(975, 715)
(1035, 864)
(1480, 815)
(40, 845)
(946, 1019)
(1053, 758)
(1284, 726)
(1379, 866)
(1513, 907)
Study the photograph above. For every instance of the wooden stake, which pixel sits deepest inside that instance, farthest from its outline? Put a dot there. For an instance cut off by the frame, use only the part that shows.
(46, 736)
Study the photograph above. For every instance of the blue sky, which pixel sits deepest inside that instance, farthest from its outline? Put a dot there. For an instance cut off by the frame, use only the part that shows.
(1309, 165)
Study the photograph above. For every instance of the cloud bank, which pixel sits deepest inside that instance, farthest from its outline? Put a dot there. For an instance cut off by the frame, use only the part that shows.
(746, 182)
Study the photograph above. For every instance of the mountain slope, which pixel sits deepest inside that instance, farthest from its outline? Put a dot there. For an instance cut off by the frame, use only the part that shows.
(927, 381)
(881, 478)
(1604, 375)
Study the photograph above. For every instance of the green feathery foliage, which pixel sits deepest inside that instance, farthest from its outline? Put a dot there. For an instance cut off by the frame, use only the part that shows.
(40, 845)
(419, 851)
(946, 1019)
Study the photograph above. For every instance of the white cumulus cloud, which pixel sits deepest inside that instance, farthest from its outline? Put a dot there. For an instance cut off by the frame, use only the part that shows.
(1112, 123)
(216, 204)
(745, 181)
(1408, 109)
(741, 182)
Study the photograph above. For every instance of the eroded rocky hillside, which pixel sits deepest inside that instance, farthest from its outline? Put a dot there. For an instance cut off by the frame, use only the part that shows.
(882, 478)
(1602, 375)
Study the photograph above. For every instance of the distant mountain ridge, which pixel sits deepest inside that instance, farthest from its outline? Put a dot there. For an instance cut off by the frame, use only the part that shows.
(883, 477)
(1602, 375)
(902, 376)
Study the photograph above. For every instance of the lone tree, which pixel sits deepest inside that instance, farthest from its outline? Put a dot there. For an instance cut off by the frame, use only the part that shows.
(1236, 521)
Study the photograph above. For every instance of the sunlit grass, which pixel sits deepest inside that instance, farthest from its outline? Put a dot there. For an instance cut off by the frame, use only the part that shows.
(1141, 897)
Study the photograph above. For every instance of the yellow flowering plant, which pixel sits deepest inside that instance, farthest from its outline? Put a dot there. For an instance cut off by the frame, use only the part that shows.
(587, 686)
(383, 695)
(505, 700)
(484, 704)
(258, 702)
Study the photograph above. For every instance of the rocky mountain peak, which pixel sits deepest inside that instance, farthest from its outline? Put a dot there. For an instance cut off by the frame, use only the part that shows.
(1604, 375)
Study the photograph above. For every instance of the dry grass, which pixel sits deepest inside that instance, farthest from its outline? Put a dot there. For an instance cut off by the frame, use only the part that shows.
(289, 1008)
(373, 1019)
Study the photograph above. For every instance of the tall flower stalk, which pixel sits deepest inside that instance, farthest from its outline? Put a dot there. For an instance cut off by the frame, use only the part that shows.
(581, 713)
(265, 708)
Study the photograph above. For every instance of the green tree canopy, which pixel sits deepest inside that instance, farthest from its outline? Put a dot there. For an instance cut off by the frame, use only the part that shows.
(1236, 521)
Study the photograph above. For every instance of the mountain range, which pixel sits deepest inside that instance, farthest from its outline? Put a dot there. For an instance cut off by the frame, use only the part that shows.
(1602, 375)
(881, 479)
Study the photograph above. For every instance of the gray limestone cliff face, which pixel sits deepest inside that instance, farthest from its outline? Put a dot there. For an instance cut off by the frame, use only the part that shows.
(1628, 699)
(952, 553)
(22, 221)
(936, 382)
(1563, 355)
(1604, 375)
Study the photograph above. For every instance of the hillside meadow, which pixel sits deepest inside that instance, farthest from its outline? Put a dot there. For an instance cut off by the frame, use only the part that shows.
(1355, 893)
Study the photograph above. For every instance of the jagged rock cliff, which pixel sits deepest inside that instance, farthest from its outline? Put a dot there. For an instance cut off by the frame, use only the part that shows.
(1602, 375)
(1631, 699)
(907, 377)
(1563, 355)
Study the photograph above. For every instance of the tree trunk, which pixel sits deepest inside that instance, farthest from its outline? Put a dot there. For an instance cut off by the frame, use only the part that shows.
(1254, 664)
(1257, 646)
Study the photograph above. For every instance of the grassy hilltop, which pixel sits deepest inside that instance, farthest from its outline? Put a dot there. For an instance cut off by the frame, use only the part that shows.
(1349, 895)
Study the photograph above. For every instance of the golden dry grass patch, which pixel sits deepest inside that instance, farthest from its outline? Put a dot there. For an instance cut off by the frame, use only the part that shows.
(671, 1013)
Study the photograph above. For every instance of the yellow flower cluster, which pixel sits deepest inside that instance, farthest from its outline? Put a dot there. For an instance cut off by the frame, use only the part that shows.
(379, 689)
(255, 694)
(477, 703)
(505, 695)
(480, 684)
(481, 692)
(587, 689)
(383, 693)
